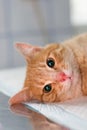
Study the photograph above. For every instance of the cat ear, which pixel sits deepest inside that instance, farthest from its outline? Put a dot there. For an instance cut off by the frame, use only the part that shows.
(23, 96)
(27, 50)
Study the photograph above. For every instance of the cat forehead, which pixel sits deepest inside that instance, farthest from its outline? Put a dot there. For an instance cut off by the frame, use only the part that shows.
(38, 61)
(42, 55)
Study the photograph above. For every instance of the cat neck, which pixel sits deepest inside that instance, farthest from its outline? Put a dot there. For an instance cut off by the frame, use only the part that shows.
(80, 53)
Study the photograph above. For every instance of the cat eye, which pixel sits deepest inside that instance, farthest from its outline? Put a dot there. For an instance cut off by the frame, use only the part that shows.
(47, 88)
(50, 62)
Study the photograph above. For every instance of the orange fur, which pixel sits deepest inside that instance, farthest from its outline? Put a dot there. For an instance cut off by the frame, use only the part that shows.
(70, 58)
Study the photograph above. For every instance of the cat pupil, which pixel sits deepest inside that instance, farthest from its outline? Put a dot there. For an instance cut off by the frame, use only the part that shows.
(50, 62)
(47, 88)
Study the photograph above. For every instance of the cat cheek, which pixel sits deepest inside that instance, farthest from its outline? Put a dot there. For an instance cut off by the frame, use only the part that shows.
(49, 98)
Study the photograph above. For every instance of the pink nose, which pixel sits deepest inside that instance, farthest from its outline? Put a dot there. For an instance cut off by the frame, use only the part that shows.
(62, 77)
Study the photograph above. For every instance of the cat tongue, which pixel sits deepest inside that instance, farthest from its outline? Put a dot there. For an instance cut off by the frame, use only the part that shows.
(62, 77)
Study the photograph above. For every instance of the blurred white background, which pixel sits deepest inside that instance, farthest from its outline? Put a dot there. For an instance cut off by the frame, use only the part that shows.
(37, 22)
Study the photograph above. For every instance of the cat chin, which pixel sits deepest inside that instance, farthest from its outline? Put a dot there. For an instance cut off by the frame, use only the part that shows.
(73, 86)
(67, 84)
(74, 81)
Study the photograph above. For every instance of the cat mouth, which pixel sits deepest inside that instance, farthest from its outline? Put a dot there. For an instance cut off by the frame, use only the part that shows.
(62, 77)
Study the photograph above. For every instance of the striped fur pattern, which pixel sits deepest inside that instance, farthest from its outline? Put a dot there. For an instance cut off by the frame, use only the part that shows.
(70, 58)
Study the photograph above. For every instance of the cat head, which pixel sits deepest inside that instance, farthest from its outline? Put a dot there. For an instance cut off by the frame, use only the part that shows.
(50, 73)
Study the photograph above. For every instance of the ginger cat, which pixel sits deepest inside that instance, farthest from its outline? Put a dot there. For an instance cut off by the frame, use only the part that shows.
(57, 72)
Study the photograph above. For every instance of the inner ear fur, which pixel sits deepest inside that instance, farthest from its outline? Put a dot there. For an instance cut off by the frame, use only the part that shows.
(27, 50)
(22, 96)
